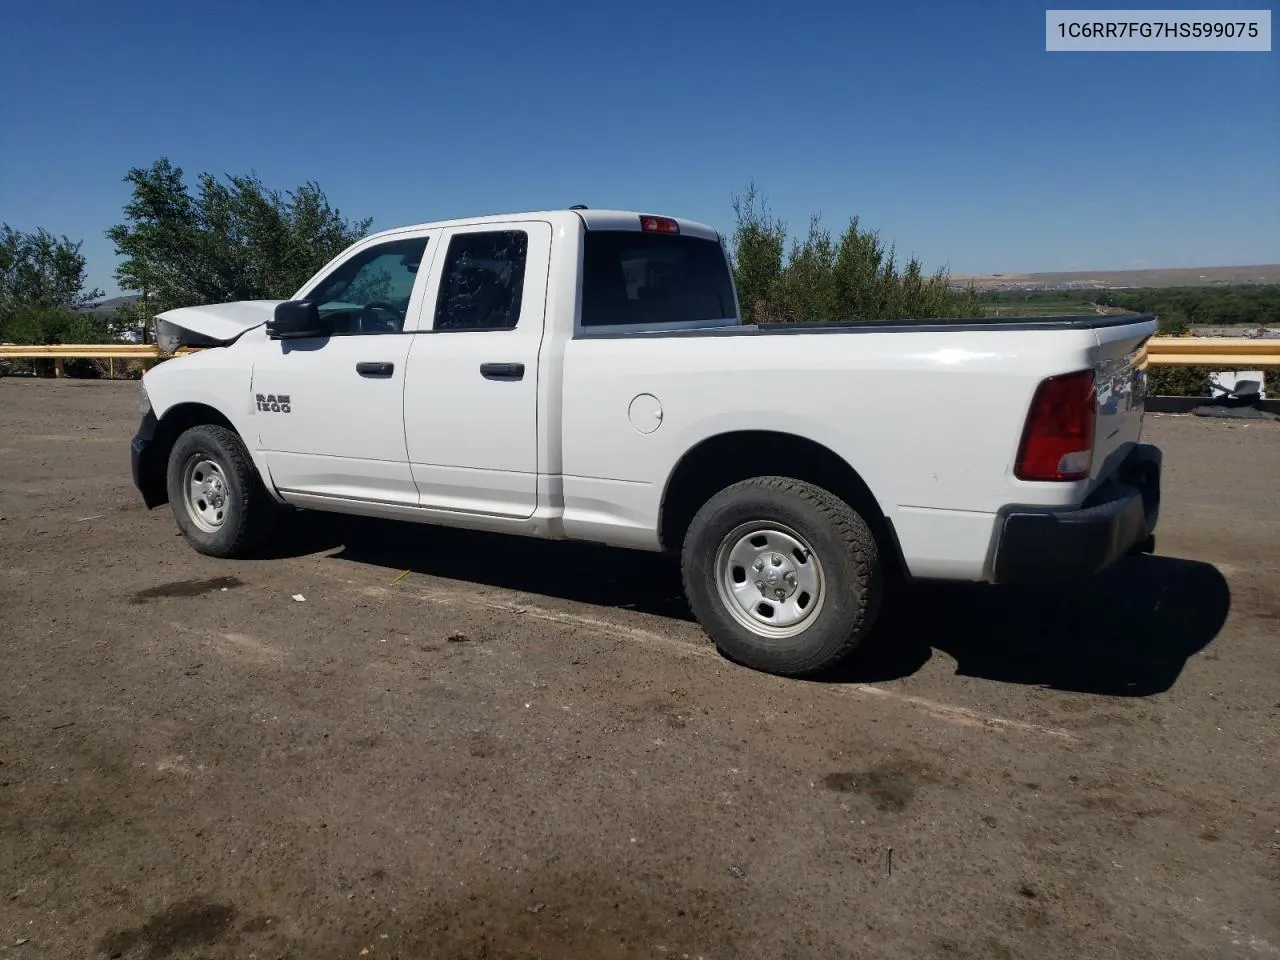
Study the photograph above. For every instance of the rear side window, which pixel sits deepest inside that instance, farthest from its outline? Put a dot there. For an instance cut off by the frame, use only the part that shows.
(483, 281)
(635, 278)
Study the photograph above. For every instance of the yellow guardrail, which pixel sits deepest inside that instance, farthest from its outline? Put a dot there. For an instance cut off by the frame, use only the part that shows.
(59, 353)
(1223, 353)
(81, 351)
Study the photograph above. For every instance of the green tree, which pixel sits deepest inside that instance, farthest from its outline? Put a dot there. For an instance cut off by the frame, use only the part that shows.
(758, 244)
(822, 279)
(230, 239)
(42, 291)
(40, 276)
(806, 289)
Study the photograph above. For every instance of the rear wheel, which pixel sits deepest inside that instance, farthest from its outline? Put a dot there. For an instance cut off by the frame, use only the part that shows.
(783, 575)
(218, 499)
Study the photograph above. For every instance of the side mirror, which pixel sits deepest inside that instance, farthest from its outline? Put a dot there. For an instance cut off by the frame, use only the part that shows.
(294, 319)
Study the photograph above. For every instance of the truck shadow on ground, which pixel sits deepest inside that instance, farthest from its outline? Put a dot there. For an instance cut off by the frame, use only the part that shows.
(1126, 633)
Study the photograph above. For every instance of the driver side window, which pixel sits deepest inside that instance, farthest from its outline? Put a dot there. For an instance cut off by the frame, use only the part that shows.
(370, 292)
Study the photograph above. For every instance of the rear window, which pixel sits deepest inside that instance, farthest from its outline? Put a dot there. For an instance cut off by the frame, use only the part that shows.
(637, 278)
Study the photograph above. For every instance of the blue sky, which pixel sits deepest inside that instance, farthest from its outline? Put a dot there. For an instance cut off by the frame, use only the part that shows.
(945, 126)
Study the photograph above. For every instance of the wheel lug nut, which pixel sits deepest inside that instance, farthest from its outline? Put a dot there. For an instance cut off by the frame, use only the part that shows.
(760, 585)
(758, 565)
(790, 578)
(777, 560)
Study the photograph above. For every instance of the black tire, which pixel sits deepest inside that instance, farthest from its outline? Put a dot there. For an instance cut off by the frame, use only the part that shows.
(851, 576)
(248, 511)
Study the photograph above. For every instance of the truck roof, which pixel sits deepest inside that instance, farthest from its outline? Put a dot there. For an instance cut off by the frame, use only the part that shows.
(594, 220)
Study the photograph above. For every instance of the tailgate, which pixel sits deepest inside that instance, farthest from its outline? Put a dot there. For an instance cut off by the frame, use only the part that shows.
(1122, 393)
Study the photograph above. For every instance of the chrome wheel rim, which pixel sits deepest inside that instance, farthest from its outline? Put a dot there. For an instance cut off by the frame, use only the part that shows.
(770, 579)
(205, 493)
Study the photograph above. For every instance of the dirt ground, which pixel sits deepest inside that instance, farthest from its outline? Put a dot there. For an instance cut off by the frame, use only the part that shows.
(527, 750)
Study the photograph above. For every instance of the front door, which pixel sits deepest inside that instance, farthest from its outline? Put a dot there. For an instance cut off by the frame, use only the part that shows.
(330, 409)
(471, 399)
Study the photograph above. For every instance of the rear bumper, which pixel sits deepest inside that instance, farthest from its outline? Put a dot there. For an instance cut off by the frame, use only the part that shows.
(148, 472)
(1119, 518)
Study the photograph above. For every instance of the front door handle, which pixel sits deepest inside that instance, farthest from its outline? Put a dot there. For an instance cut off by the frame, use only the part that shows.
(381, 370)
(502, 371)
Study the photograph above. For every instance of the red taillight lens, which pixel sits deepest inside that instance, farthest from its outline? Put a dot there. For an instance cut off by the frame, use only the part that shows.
(1057, 443)
(659, 225)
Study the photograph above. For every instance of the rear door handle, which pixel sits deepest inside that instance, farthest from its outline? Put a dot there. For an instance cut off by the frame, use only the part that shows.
(502, 371)
(375, 369)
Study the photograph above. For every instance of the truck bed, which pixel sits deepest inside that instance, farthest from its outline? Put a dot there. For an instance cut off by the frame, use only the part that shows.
(931, 424)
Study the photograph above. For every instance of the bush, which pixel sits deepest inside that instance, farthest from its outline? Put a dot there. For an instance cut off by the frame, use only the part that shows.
(1165, 381)
(47, 325)
(40, 326)
(1168, 381)
(1250, 305)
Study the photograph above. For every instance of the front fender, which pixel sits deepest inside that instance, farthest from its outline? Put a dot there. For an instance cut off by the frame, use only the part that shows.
(211, 386)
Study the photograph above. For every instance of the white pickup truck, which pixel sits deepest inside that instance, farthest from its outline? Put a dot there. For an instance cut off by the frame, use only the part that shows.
(584, 374)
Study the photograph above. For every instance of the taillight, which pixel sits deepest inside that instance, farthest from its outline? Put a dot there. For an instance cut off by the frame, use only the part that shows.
(659, 225)
(1057, 443)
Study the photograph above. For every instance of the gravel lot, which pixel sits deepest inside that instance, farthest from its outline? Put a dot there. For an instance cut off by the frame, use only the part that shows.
(524, 750)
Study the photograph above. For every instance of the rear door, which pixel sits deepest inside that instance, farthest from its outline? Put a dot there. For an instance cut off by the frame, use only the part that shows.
(471, 395)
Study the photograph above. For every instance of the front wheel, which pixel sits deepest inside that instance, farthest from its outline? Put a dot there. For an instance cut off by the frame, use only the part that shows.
(218, 499)
(783, 576)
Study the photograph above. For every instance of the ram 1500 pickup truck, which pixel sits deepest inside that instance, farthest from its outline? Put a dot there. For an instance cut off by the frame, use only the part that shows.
(585, 374)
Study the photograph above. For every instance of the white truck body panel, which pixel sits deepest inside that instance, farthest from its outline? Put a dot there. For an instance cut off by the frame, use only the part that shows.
(585, 441)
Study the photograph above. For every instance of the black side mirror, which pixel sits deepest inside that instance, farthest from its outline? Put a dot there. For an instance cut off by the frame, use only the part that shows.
(294, 319)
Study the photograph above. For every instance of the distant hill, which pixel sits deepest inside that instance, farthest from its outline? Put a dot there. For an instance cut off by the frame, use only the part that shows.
(1125, 279)
(110, 305)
